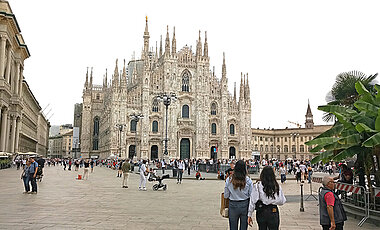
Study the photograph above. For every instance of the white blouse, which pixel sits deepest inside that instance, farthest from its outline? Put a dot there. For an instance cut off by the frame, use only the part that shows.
(259, 194)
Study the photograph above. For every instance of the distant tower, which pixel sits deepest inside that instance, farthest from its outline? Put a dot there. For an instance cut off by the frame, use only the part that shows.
(309, 123)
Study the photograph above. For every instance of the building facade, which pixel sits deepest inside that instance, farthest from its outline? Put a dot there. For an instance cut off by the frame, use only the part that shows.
(206, 120)
(287, 143)
(61, 145)
(23, 127)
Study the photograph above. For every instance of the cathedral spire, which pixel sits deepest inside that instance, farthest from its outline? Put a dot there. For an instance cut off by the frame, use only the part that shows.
(156, 55)
(174, 43)
(115, 80)
(224, 72)
(205, 50)
(234, 92)
(167, 42)
(241, 95)
(248, 97)
(123, 79)
(86, 83)
(198, 51)
(106, 80)
(91, 79)
(161, 46)
(146, 38)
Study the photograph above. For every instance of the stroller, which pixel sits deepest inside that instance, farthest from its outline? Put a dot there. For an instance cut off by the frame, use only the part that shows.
(160, 184)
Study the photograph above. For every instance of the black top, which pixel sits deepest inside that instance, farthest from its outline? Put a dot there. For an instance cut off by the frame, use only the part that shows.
(86, 164)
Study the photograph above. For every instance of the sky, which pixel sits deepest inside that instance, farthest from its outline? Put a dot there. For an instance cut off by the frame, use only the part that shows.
(292, 50)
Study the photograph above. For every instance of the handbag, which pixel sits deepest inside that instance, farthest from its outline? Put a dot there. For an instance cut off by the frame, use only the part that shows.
(224, 203)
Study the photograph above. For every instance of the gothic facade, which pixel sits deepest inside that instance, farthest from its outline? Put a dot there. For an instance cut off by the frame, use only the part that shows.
(205, 121)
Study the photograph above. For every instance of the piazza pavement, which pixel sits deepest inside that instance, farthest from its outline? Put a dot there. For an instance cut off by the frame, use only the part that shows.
(63, 202)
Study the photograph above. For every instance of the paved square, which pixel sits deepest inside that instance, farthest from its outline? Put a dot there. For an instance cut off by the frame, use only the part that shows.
(63, 202)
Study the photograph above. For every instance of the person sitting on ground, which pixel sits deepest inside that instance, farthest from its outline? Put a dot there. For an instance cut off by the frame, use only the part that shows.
(198, 176)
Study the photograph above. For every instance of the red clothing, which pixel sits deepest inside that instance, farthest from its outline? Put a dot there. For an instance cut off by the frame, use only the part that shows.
(329, 198)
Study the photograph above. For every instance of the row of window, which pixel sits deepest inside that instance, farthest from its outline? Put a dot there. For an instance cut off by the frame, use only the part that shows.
(278, 138)
(278, 148)
(213, 129)
(185, 109)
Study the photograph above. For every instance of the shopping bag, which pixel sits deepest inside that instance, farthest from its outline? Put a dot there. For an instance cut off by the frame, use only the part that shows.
(224, 203)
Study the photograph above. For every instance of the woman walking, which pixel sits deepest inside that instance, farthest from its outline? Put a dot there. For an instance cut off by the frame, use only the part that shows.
(265, 197)
(25, 177)
(238, 189)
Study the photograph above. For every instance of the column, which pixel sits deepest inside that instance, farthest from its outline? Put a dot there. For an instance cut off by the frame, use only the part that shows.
(20, 78)
(18, 126)
(17, 81)
(13, 134)
(3, 129)
(3, 40)
(8, 72)
(7, 149)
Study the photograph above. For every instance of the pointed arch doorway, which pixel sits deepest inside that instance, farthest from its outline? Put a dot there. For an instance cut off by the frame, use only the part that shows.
(154, 152)
(232, 152)
(185, 148)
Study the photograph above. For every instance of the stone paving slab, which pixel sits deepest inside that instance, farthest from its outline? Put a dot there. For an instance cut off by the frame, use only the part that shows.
(63, 202)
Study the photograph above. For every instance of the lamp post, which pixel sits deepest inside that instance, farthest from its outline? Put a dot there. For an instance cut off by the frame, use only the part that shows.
(135, 117)
(120, 128)
(294, 136)
(166, 98)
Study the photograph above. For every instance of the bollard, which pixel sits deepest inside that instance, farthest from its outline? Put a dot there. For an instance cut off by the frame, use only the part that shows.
(301, 204)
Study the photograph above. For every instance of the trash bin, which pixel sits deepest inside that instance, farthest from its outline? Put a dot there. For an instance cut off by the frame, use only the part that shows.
(174, 173)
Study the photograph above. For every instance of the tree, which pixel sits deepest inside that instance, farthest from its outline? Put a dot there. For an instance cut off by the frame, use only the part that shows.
(343, 91)
(355, 132)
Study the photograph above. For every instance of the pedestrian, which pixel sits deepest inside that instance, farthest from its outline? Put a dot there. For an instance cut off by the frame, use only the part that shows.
(238, 189)
(119, 171)
(265, 197)
(125, 167)
(309, 174)
(25, 177)
(85, 169)
(32, 175)
(70, 163)
(163, 166)
(92, 165)
(143, 170)
(298, 174)
(331, 211)
(181, 168)
(283, 174)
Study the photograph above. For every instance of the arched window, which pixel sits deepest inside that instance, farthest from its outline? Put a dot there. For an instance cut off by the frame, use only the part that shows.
(293, 148)
(155, 106)
(278, 148)
(261, 148)
(266, 148)
(155, 126)
(185, 82)
(185, 111)
(133, 126)
(286, 148)
(232, 129)
(213, 128)
(302, 148)
(256, 147)
(95, 144)
(213, 108)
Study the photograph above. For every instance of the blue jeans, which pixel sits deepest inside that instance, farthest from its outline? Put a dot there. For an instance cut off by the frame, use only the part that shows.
(33, 182)
(26, 183)
(238, 210)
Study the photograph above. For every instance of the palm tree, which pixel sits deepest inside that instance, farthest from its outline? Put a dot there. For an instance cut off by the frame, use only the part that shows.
(343, 91)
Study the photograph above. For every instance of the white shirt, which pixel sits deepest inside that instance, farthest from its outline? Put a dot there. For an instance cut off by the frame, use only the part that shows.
(181, 165)
(259, 194)
(142, 169)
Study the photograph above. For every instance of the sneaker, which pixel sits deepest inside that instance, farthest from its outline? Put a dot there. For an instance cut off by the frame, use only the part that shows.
(140, 189)
(144, 189)
(25, 192)
(125, 186)
(33, 193)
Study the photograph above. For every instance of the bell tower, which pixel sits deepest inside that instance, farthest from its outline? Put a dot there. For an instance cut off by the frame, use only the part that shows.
(309, 123)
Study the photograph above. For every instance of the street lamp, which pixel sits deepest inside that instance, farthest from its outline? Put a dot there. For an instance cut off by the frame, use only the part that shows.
(135, 117)
(120, 128)
(166, 98)
(294, 136)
